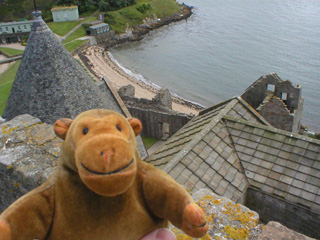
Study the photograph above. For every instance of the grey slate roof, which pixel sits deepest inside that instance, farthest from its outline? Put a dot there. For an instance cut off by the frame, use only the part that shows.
(50, 83)
(279, 162)
(230, 147)
(202, 155)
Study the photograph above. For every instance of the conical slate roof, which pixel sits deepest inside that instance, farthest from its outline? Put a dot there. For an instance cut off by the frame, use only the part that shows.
(50, 83)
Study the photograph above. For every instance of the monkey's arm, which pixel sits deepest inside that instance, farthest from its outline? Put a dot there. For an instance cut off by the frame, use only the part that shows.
(29, 217)
(169, 200)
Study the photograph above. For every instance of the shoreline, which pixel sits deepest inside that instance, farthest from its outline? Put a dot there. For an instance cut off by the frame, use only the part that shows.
(101, 64)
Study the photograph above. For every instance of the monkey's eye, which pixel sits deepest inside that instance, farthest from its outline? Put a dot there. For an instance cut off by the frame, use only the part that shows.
(85, 130)
(119, 128)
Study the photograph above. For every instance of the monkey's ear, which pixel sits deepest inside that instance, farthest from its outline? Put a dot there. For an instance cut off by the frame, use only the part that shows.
(136, 125)
(61, 127)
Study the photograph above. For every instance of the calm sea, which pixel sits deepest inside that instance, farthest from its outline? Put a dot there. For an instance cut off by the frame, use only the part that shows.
(227, 45)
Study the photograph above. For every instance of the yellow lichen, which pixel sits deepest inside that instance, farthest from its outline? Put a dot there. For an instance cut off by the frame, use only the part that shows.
(9, 167)
(16, 185)
(5, 129)
(236, 233)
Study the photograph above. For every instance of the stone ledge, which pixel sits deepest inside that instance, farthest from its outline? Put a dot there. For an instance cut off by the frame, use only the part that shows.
(29, 152)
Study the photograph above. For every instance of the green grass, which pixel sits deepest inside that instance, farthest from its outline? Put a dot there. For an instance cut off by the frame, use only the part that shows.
(80, 32)
(118, 19)
(148, 142)
(62, 28)
(6, 80)
(10, 51)
(75, 44)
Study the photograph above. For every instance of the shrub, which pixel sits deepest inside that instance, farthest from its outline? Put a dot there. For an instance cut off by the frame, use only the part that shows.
(143, 7)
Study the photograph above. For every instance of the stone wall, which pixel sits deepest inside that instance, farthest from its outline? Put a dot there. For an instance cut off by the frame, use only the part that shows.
(277, 114)
(272, 208)
(290, 95)
(159, 125)
(158, 119)
(29, 153)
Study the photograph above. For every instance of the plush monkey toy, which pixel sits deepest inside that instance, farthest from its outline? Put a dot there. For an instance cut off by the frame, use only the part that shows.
(101, 190)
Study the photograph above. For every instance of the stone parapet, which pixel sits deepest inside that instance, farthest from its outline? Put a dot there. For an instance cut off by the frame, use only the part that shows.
(29, 153)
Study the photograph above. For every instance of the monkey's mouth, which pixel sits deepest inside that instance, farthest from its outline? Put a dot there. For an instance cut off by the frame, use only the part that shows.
(107, 173)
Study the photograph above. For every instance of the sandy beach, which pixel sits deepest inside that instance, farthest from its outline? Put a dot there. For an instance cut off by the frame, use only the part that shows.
(102, 65)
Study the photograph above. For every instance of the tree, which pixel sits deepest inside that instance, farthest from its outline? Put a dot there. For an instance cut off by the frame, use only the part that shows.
(65, 2)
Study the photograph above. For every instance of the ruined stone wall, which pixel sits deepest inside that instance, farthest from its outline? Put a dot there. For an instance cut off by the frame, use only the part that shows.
(153, 121)
(276, 113)
(271, 208)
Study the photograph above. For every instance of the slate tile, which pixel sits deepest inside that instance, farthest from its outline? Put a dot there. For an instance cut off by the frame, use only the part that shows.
(279, 193)
(289, 172)
(181, 179)
(200, 185)
(284, 155)
(295, 191)
(205, 152)
(316, 165)
(186, 160)
(238, 179)
(224, 169)
(314, 147)
(278, 168)
(310, 188)
(259, 178)
(308, 196)
(299, 151)
(286, 179)
(199, 147)
(307, 162)
(301, 176)
(304, 169)
(293, 165)
(267, 165)
(267, 189)
(242, 186)
(311, 154)
(314, 180)
(186, 173)
(232, 158)
(208, 138)
(271, 182)
(298, 184)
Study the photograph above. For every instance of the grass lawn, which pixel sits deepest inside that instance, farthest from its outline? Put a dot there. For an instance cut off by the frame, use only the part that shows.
(6, 80)
(73, 45)
(10, 51)
(118, 19)
(80, 32)
(62, 28)
(148, 142)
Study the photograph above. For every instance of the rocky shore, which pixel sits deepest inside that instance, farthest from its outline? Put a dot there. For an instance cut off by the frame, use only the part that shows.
(138, 32)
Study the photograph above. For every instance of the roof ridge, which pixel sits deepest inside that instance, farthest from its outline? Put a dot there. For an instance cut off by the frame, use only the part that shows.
(273, 129)
(200, 135)
(256, 113)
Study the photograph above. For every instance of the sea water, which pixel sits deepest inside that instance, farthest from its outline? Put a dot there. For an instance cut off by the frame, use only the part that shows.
(226, 45)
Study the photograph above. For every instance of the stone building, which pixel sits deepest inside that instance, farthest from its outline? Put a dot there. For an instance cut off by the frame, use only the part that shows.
(65, 14)
(156, 115)
(279, 102)
(232, 150)
(11, 32)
